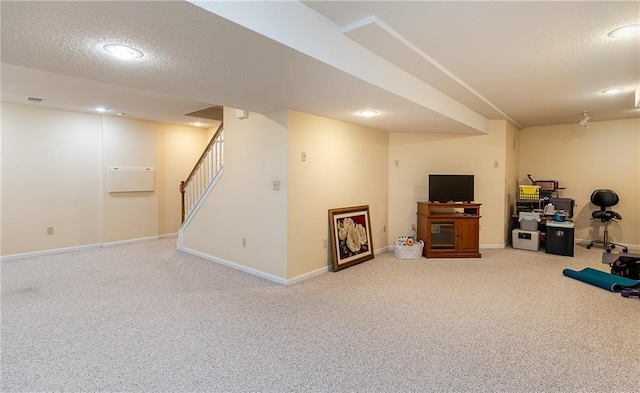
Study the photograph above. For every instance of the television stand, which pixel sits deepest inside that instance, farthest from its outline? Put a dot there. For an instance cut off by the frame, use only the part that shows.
(449, 230)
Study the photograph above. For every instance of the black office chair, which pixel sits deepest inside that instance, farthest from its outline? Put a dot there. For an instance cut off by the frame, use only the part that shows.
(604, 199)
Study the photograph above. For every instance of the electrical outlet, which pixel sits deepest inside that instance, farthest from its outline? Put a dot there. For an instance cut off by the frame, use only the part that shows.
(384, 229)
(49, 230)
(324, 243)
(276, 185)
(244, 242)
(396, 163)
(495, 164)
(413, 227)
(303, 156)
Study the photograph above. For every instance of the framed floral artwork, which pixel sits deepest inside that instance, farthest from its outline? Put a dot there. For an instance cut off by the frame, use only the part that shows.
(350, 229)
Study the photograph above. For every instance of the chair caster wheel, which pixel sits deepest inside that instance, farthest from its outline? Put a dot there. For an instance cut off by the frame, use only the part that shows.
(625, 249)
(613, 246)
(588, 246)
(608, 251)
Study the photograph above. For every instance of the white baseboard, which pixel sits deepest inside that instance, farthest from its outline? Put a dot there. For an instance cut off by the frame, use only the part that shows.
(85, 247)
(255, 272)
(49, 252)
(233, 265)
(383, 249)
(492, 246)
(122, 242)
(307, 276)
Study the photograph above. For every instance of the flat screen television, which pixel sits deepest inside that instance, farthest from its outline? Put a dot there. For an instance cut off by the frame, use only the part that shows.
(451, 188)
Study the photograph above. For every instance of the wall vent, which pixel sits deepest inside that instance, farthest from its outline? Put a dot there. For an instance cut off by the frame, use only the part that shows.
(34, 99)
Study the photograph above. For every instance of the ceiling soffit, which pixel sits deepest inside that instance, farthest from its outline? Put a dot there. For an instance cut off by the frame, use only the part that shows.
(325, 41)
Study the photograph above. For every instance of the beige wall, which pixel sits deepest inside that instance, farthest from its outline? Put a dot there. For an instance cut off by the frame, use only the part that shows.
(179, 147)
(422, 154)
(54, 173)
(51, 176)
(512, 153)
(129, 143)
(54, 166)
(243, 204)
(607, 155)
(346, 165)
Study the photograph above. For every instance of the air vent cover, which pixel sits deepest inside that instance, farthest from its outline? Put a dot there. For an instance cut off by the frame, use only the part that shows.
(34, 99)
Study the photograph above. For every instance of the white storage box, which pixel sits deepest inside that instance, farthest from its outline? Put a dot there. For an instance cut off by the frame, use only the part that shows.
(408, 252)
(529, 221)
(525, 240)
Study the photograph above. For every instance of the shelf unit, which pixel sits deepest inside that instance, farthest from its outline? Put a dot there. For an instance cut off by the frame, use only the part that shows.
(449, 230)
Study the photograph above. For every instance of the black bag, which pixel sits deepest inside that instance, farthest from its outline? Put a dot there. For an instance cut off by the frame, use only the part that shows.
(626, 267)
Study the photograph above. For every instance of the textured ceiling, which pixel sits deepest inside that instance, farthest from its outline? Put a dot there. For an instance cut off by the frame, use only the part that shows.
(533, 63)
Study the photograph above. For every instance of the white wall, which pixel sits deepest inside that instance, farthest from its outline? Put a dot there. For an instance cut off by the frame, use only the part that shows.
(243, 204)
(51, 176)
(346, 165)
(607, 155)
(422, 154)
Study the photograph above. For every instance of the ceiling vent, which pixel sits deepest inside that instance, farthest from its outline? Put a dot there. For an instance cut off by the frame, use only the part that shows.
(34, 99)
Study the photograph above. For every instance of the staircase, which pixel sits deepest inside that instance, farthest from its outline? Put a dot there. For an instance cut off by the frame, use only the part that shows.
(205, 173)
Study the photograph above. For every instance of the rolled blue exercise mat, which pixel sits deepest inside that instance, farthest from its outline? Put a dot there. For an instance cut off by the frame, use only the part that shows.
(604, 280)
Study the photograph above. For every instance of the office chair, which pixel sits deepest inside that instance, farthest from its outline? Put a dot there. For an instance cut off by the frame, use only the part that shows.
(604, 199)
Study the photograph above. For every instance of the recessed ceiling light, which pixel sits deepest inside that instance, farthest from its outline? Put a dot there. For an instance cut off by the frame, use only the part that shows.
(120, 113)
(198, 124)
(626, 31)
(614, 90)
(102, 109)
(123, 52)
(368, 113)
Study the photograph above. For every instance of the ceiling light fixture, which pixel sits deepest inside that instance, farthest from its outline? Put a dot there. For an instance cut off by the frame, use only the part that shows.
(101, 109)
(123, 52)
(198, 124)
(614, 90)
(368, 113)
(626, 31)
(586, 123)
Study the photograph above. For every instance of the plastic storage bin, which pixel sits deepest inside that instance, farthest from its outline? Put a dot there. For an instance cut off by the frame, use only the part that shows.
(409, 252)
(525, 240)
(529, 193)
(560, 237)
(529, 221)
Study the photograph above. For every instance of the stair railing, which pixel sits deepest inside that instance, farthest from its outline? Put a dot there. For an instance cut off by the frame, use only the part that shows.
(203, 173)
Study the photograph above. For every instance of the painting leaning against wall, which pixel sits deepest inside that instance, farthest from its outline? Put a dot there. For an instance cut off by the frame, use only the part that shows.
(350, 229)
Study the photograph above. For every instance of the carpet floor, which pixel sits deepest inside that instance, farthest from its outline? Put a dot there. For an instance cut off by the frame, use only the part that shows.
(147, 318)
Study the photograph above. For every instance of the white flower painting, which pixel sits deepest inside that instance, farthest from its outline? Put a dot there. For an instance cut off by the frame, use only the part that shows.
(351, 233)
